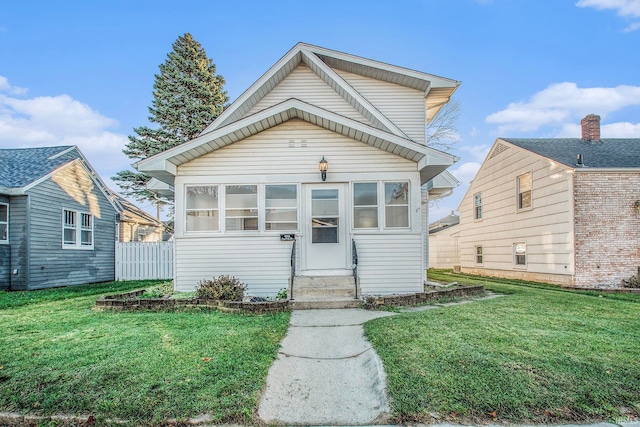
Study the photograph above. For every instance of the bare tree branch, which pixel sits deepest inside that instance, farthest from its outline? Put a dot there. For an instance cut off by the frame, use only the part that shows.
(442, 131)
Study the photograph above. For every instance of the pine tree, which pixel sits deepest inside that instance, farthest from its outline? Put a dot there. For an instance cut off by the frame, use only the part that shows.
(187, 97)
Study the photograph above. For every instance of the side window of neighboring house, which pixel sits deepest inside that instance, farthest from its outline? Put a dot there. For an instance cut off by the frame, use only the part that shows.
(4, 223)
(520, 253)
(477, 212)
(523, 185)
(77, 230)
(479, 257)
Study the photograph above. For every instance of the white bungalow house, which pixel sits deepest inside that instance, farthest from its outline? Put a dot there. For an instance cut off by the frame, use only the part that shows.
(326, 150)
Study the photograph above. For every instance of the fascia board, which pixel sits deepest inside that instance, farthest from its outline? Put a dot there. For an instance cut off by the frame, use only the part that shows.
(588, 169)
(354, 93)
(436, 81)
(12, 191)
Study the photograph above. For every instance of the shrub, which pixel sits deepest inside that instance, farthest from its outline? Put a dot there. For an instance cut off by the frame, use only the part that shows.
(631, 282)
(282, 294)
(223, 287)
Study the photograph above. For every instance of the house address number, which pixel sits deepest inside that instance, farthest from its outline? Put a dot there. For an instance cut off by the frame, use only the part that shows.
(287, 237)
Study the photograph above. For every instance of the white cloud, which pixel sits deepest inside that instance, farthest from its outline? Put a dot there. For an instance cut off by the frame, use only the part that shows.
(622, 7)
(466, 172)
(478, 152)
(632, 27)
(562, 103)
(61, 120)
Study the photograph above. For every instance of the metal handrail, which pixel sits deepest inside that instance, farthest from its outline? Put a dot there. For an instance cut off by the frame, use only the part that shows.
(293, 267)
(354, 265)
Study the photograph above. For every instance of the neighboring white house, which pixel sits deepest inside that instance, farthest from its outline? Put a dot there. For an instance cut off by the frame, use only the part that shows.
(251, 181)
(559, 210)
(443, 242)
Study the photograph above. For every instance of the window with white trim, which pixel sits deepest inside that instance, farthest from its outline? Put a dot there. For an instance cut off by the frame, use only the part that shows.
(479, 255)
(4, 223)
(202, 208)
(477, 212)
(396, 204)
(523, 183)
(241, 207)
(520, 254)
(77, 229)
(365, 205)
(281, 207)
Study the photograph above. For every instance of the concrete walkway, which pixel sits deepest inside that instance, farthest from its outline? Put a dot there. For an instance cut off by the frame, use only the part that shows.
(326, 373)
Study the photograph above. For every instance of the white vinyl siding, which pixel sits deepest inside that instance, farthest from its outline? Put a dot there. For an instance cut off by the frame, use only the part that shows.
(404, 106)
(390, 264)
(547, 229)
(294, 149)
(262, 262)
(77, 230)
(4, 223)
(306, 86)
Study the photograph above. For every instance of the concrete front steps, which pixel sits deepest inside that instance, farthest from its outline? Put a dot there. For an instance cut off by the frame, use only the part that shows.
(324, 292)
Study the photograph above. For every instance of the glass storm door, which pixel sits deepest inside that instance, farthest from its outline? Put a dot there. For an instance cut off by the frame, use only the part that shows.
(325, 228)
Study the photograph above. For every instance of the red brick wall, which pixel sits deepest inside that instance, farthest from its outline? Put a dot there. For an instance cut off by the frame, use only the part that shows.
(607, 228)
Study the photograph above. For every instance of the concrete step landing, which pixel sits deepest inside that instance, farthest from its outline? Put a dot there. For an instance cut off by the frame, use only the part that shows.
(323, 287)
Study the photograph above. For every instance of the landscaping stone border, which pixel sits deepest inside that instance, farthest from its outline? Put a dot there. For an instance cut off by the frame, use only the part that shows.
(131, 301)
(378, 302)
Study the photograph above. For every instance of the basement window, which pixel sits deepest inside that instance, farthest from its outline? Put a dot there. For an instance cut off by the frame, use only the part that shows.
(479, 255)
(520, 254)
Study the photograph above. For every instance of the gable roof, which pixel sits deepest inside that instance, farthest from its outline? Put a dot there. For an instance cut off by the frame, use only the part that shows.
(607, 153)
(444, 223)
(130, 212)
(23, 168)
(163, 166)
(322, 61)
(20, 167)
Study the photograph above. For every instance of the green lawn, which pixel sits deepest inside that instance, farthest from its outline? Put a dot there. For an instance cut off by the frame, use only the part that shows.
(58, 355)
(538, 354)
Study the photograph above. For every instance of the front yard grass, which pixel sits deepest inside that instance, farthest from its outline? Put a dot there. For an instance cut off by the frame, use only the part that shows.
(539, 354)
(58, 355)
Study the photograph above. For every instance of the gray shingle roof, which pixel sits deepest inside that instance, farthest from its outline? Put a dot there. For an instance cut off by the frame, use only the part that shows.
(20, 167)
(608, 153)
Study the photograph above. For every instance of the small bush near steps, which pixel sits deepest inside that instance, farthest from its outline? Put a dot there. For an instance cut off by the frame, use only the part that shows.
(223, 287)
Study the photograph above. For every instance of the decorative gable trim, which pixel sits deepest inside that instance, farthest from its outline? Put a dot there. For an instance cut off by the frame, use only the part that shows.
(313, 56)
(499, 148)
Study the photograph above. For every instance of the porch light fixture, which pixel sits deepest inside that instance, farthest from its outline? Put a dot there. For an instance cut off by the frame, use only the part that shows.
(324, 166)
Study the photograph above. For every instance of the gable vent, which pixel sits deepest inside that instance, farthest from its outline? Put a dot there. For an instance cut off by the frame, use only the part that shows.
(499, 149)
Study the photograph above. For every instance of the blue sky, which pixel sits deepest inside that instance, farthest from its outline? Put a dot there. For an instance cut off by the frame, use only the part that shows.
(81, 72)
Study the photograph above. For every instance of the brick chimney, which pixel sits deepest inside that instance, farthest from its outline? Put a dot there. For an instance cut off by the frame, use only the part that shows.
(590, 127)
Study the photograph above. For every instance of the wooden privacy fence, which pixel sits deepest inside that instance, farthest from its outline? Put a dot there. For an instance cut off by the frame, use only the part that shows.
(144, 260)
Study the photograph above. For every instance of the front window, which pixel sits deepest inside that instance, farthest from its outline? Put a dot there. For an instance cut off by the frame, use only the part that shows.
(202, 208)
(520, 252)
(281, 207)
(365, 205)
(479, 255)
(4, 223)
(77, 230)
(241, 210)
(524, 191)
(396, 204)
(478, 206)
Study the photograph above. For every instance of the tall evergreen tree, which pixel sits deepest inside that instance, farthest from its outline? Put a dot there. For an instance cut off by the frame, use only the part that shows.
(187, 97)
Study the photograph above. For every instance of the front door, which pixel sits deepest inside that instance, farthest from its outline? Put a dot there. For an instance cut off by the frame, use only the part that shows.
(325, 229)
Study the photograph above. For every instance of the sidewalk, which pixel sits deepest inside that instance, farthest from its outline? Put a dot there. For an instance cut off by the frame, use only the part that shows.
(326, 373)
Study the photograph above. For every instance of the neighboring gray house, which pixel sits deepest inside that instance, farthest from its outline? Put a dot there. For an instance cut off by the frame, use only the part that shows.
(57, 224)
